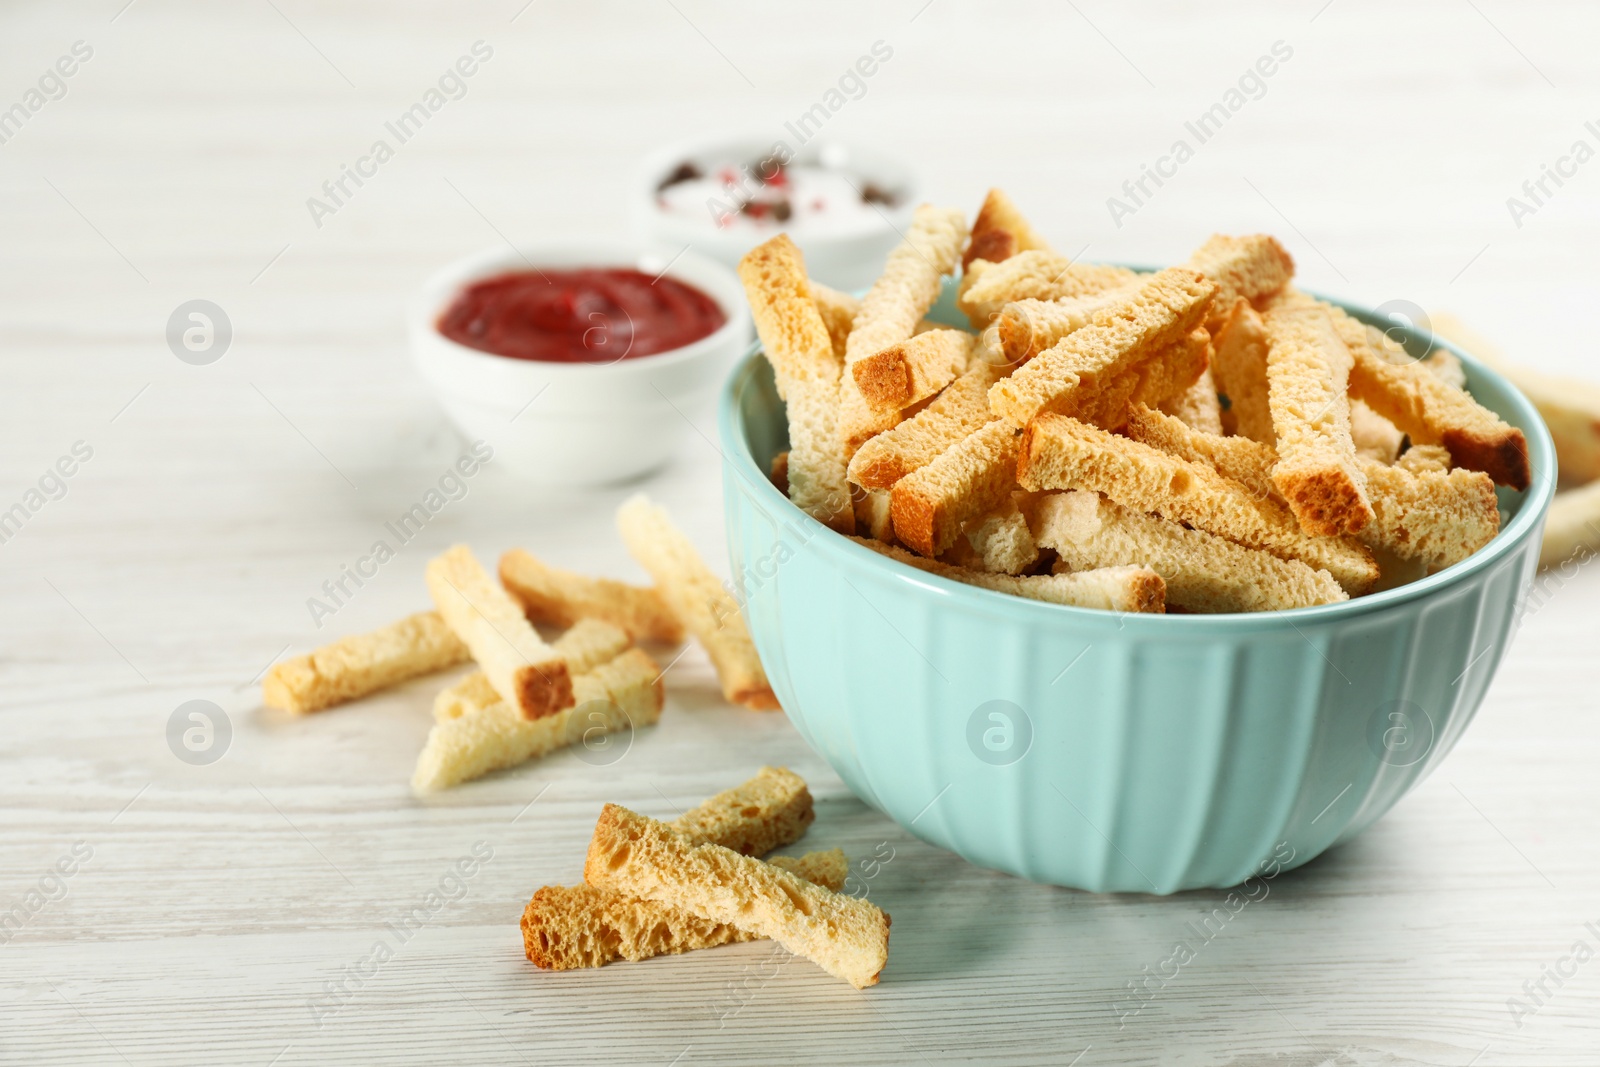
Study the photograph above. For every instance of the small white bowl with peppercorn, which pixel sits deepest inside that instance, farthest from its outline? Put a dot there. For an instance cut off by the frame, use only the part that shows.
(845, 206)
(579, 364)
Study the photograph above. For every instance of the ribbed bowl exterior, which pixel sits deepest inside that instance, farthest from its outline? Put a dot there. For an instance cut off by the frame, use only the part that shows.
(1112, 752)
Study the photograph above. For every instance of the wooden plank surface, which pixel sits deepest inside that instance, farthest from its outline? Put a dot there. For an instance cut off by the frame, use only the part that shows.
(220, 906)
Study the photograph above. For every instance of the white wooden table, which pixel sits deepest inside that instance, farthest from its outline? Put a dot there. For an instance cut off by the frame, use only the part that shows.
(219, 904)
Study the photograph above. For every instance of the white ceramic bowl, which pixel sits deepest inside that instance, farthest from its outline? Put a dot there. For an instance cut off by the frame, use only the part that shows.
(578, 423)
(848, 258)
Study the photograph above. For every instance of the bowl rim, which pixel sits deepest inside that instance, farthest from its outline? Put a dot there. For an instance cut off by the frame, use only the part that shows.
(435, 293)
(1524, 524)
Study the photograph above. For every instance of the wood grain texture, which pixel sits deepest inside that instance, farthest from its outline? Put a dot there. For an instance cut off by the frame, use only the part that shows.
(220, 899)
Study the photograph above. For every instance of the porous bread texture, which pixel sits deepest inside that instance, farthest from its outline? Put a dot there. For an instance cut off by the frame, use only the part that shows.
(632, 854)
(1438, 517)
(1240, 459)
(568, 927)
(961, 409)
(769, 811)
(524, 670)
(1027, 327)
(1165, 310)
(1239, 365)
(1033, 275)
(1059, 452)
(1000, 540)
(565, 927)
(903, 293)
(973, 476)
(558, 597)
(1244, 268)
(355, 666)
(1115, 587)
(796, 342)
(624, 693)
(1308, 368)
(1430, 410)
(1203, 573)
(1197, 406)
(1419, 459)
(693, 593)
(588, 644)
(838, 311)
(912, 370)
(1000, 232)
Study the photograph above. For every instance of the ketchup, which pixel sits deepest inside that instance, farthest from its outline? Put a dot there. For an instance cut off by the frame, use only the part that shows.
(591, 315)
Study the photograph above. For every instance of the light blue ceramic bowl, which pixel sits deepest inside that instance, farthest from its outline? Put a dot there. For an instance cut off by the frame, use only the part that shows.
(1110, 752)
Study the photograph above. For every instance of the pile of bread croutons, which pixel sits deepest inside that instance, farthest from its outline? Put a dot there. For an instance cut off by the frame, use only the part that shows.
(1205, 438)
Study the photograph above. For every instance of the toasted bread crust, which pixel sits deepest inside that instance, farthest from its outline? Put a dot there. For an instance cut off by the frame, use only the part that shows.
(1109, 588)
(557, 597)
(631, 854)
(1061, 453)
(522, 668)
(913, 370)
(624, 693)
(959, 410)
(1163, 311)
(1203, 573)
(693, 593)
(972, 477)
(568, 927)
(1308, 366)
(1000, 232)
(797, 343)
(353, 667)
(1429, 409)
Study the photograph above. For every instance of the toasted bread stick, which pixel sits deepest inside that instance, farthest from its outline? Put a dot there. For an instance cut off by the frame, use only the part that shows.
(1203, 573)
(961, 409)
(796, 343)
(582, 926)
(631, 854)
(568, 927)
(624, 693)
(557, 597)
(696, 597)
(1035, 275)
(839, 311)
(903, 293)
(973, 476)
(1420, 511)
(1162, 312)
(1028, 327)
(1438, 517)
(1430, 410)
(1374, 436)
(1570, 407)
(913, 370)
(1308, 366)
(779, 472)
(1243, 268)
(1000, 232)
(1239, 365)
(1059, 452)
(587, 645)
(524, 670)
(1109, 588)
(355, 666)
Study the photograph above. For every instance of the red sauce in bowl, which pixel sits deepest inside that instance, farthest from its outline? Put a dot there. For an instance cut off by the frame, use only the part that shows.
(590, 315)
